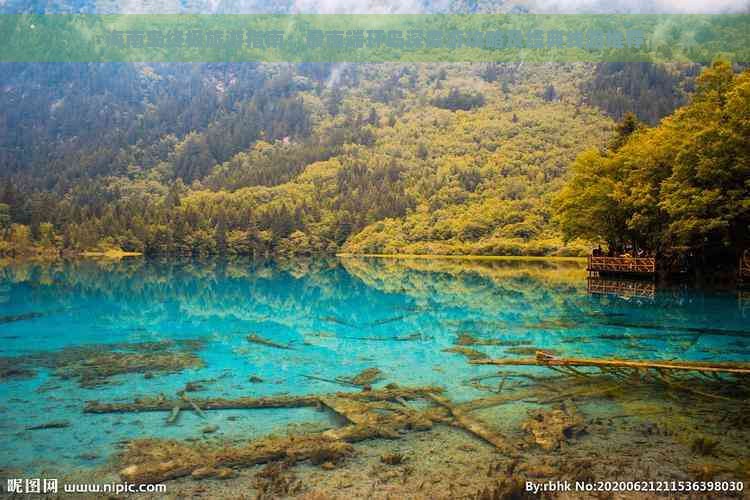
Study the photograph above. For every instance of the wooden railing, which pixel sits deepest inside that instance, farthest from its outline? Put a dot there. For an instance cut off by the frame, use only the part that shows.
(621, 288)
(640, 265)
(745, 265)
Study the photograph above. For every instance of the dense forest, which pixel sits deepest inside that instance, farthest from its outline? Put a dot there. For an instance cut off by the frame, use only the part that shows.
(260, 159)
(681, 186)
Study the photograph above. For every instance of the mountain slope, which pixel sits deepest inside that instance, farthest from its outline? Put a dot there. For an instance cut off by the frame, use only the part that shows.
(278, 158)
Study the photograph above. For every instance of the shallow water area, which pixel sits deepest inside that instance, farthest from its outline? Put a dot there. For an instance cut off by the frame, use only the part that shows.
(185, 330)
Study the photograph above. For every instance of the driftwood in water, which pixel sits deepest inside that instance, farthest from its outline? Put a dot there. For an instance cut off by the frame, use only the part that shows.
(337, 321)
(20, 317)
(369, 414)
(189, 401)
(161, 404)
(366, 377)
(57, 424)
(464, 421)
(373, 419)
(402, 338)
(398, 338)
(246, 403)
(330, 380)
(496, 400)
(260, 340)
(149, 465)
(545, 359)
(174, 414)
(388, 320)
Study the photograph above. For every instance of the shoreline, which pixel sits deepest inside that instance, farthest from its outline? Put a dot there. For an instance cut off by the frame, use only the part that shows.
(118, 254)
(110, 254)
(461, 257)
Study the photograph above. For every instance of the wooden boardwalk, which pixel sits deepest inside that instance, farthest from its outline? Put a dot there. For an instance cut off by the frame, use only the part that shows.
(745, 266)
(621, 265)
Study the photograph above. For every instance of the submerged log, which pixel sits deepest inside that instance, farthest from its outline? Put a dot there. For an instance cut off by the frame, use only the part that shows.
(174, 414)
(20, 317)
(370, 414)
(544, 359)
(368, 376)
(184, 460)
(157, 404)
(189, 401)
(330, 380)
(389, 320)
(256, 339)
(337, 321)
(356, 412)
(496, 400)
(57, 424)
(399, 338)
(473, 426)
(247, 403)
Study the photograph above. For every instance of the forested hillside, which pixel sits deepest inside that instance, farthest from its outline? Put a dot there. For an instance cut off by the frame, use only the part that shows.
(199, 159)
(682, 185)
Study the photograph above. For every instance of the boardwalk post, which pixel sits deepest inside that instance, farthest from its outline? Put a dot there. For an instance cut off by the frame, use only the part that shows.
(744, 267)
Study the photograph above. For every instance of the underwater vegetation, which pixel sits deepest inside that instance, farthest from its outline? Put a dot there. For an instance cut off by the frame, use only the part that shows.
(563, 421)
(465, 338)
(369, 414)
(552, 427)
(20, 317)
(304, 381)
(466, 351)
(97, 364)
(9, 370)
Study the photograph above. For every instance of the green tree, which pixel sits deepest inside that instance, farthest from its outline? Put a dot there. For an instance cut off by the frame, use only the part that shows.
(624, 130)
(707, 195)
(587, 206)
(5, 219)
(20, 238)
(685, 182)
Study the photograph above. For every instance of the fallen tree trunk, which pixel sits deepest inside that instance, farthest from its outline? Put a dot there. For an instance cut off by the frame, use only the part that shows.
(257, 339)
(496, 400)
(371, 414)
(195, 407)
(544, 359)
(464, 421)
(185, 460)
(156, 404)
(174, 414)
(246, 403)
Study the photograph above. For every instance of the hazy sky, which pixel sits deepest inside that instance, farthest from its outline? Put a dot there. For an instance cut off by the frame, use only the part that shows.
(537, 6)
(394, 6)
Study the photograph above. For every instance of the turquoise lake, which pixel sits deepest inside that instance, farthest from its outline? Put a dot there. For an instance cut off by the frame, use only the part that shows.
(336, 317)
